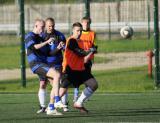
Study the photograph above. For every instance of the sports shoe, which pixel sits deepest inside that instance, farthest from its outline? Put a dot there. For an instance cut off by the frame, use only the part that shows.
(59, 104)
(53, 112)
(80, 107)
(66, 109)
(41, 110)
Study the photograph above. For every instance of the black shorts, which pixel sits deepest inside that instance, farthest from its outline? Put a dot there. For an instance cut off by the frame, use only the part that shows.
(75, 78)
(88, 66)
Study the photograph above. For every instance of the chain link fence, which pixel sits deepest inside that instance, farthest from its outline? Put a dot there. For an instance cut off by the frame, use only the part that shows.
(108, 17)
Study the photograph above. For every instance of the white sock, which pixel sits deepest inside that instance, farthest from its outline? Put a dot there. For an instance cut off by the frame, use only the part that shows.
(64, 98)
(42, 97)
(86, 93)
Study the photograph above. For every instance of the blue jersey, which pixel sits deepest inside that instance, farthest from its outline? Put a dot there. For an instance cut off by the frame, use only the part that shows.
(55, 58)
(35, 56)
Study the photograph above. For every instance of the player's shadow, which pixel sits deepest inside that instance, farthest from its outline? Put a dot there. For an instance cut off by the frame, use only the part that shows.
(43, 117)
(127, 112)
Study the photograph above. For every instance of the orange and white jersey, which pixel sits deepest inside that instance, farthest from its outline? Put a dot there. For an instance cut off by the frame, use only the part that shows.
(87, 38)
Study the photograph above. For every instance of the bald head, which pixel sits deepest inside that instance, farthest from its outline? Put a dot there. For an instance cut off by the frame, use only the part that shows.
(50, 24)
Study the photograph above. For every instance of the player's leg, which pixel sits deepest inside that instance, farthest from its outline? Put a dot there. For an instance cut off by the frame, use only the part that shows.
(63, 91)
(42, 95)
(55, 87)
(64, 100)
(45, 71)
(91, 86)
(88, 67)
(75, 95)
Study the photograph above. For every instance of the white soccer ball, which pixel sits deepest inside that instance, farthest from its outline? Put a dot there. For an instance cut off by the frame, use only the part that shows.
(126, 32)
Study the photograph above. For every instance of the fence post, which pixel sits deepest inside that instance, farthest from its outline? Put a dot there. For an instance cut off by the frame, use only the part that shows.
(109, 23)
(156, 42)
(69, 20)
(148, 9)
(22, 33)
(87, 8)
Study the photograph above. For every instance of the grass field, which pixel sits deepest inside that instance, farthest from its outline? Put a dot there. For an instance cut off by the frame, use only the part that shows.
(117, 107)
(10, 49)
(121, 80)
(122, 45)
(124, 95)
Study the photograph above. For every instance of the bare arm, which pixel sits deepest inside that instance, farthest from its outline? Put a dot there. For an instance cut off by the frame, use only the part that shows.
(38, 46)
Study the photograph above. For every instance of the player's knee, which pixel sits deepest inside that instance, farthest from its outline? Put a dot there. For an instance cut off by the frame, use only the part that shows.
(42, 84)
(52, 73)
(92, 83)
(94, 86)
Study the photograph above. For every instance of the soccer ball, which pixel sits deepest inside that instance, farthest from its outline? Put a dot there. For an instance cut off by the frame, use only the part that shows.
(126, 32)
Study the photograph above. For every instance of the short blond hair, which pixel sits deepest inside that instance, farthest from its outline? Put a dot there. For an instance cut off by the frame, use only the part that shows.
(38, 21)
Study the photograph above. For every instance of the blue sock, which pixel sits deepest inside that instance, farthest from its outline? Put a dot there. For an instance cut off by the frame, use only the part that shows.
(57, 98)
(76, 92)
(51, 106)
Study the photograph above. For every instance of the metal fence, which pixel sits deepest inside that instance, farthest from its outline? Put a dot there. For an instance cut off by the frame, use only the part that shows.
(106, 16)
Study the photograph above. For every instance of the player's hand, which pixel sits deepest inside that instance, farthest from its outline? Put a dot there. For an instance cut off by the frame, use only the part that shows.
(93, 49)
(50, 40)
(60, 45)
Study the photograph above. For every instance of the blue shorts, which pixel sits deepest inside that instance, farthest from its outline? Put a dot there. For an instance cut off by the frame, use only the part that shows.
(42, 70)
(44, 78)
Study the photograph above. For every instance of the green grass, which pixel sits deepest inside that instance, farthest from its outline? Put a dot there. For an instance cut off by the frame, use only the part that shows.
(140, 107)
(10, 57)
(122, 45)
(10, 49)
(9, 40)
(125, 80)
(121, 80)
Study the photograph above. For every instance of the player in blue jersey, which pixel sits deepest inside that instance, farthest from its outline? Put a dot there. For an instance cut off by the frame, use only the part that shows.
(37, 50)
(54, 59)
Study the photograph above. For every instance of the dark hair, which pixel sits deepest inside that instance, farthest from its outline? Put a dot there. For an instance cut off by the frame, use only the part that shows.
(77, 24)
(87, 18)
(50, 19)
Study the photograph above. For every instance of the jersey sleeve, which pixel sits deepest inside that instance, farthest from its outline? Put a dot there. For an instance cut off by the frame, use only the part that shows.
(29, 42)
(73, 45)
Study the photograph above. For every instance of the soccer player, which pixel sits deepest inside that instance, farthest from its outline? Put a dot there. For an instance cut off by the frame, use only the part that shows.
(36, 50)
(88, 38)
(74, 70)
(54, 59)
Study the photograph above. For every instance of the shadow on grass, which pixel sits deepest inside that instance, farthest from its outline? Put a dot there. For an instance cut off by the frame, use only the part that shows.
(128, 112)
(100, 114)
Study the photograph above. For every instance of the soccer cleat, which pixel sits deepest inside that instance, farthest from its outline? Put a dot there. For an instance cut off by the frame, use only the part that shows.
(80, 107)
(53, 112)
(59, 104)
(66, 109)
(41, 110)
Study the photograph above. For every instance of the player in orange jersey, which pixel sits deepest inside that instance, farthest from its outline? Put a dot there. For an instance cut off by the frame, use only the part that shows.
(88, 38)
(74, 71)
